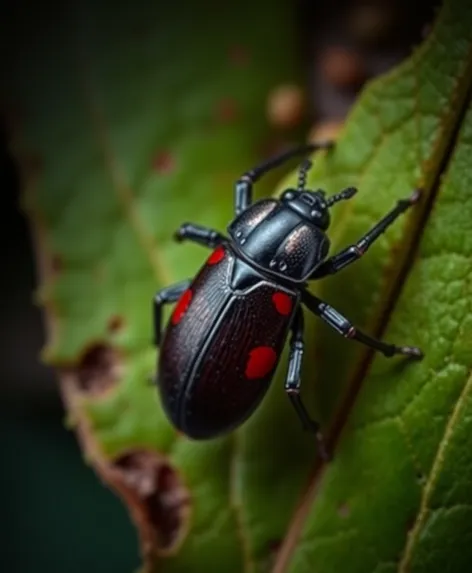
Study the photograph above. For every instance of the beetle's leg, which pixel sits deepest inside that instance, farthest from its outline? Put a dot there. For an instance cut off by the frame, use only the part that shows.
(243, 188)
(167, 295)
(198, 234)
(342, 325)
(293, 382)
(354, 252)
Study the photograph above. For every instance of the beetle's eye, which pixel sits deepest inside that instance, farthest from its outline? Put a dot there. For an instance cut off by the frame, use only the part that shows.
(288, 195)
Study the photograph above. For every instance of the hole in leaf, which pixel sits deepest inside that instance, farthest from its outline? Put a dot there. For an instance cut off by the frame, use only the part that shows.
(162, 500)
(420, 478)
(99, 369)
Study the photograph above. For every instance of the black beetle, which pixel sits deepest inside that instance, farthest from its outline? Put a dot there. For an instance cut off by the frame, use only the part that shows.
(226, 334)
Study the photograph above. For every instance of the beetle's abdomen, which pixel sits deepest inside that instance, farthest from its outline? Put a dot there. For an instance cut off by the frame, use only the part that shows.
(222, 346)
(235, 370)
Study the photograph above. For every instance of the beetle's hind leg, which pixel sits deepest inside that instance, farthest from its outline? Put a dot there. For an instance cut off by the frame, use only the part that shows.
(166, 295)
(198, 234)
(293, 383)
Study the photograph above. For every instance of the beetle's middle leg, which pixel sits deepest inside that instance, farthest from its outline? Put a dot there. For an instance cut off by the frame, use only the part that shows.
(198, 234)
(166, 295)
(293, 383)
(344, 327)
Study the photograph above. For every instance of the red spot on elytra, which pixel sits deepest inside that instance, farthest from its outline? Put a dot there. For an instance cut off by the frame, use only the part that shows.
(182, 306)
(261, 361)
(282, 302)
(216, 256)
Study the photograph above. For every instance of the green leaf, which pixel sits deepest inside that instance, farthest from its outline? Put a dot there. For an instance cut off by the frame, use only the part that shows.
(396, 496)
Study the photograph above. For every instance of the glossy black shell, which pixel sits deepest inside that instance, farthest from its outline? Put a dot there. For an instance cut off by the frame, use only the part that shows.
(277, 239)
(206, 349)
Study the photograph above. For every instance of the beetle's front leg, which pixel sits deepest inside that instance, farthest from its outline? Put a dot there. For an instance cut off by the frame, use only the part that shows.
(167, 295)
(354, 252)
(198, 234)
(243, 188)
(293, 383)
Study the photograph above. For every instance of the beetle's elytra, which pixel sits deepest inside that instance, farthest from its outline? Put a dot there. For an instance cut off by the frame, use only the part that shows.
(226, 334)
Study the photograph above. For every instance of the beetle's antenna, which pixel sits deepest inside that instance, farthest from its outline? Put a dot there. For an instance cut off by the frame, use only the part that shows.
(304, 168)
(344, 194)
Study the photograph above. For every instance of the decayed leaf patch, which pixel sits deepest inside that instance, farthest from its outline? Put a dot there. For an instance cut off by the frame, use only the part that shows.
(99, 369)
(163, 500)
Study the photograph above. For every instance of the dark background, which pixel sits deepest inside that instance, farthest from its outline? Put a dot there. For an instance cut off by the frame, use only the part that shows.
(55, 514)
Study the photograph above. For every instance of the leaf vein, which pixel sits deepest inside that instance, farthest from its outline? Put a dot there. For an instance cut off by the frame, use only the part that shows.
(405, 561)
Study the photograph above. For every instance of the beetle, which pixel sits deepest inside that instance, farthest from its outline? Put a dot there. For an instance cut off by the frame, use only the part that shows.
(225, 336)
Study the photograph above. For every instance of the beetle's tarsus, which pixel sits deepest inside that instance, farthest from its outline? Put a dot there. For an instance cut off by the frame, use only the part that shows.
(313, 428)
(350, 192)
(327, 144)
(411, 351)
(323, 452)
(415, 196)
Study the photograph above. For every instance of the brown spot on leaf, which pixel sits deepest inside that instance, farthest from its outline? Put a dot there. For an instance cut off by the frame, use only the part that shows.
(286, 105)
(163, 162)
(115, 323)
(227, 110)
(99, 369)
(239, 56)
(57, 263)
(344, 510)
(159, 497)
(343, 67)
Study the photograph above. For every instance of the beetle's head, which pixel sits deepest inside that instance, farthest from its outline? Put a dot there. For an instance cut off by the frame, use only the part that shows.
(312, 205)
